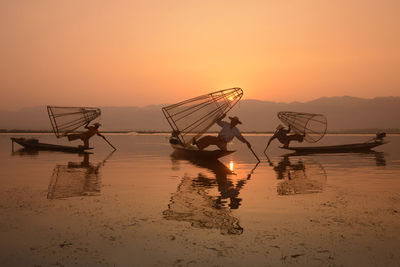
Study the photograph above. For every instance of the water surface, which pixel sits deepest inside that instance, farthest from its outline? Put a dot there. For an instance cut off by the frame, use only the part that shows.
(144, 205)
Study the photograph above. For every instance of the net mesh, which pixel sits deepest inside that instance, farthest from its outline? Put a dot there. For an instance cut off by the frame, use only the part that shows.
(313, 126)
(72, 181)
(67, 119)
(304, 176)
(193, 117)
(194, 203)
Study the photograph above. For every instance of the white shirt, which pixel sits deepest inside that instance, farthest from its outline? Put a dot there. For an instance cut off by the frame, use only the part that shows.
(227, 133)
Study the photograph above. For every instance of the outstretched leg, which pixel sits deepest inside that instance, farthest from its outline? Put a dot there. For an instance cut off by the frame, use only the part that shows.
(86, 142)
(294, 137)
(208, 140)
(73, 136)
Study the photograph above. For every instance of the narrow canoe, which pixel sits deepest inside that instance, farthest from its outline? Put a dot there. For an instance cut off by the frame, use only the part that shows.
(34, 144)
(347, 148)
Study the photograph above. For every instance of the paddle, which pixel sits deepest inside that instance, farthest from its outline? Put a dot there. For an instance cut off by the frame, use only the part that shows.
(108, 142)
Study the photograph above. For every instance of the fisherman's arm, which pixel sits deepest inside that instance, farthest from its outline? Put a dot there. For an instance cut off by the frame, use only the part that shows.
(241, 138)
(270, 140)
(87, 125)
(220, 119)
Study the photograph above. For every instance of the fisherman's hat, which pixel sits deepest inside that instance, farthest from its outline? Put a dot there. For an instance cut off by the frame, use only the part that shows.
(236, 119)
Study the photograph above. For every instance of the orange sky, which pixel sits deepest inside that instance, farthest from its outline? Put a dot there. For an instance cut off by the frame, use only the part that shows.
(118, 53)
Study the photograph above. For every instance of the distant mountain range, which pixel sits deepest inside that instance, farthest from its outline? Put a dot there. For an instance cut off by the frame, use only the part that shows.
(343, 113)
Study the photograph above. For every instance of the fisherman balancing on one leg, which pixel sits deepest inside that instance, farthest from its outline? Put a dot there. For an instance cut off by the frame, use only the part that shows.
(227, 133)
(282, 134)
(85, 136)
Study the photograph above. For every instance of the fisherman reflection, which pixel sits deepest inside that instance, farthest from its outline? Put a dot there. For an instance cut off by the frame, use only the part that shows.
(193, 201)
(76, 179)
(301, 177)
(226, 187)
(284, 167)
(380, 159)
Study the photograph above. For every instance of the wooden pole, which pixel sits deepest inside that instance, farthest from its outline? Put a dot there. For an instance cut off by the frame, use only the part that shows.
(254, 154)
(108, 142)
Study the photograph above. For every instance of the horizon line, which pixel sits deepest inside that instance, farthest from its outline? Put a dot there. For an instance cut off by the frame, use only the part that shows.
(245, 99)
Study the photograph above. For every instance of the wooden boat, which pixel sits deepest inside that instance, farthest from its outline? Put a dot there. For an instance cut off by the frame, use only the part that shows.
(191, 118)
(346, 148)
(34, 144)
(194, 153)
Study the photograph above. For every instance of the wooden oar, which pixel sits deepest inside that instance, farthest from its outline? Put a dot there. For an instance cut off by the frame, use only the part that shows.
(108, 142)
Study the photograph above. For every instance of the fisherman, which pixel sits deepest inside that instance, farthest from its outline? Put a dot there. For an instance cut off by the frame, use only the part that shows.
(85, 136)
(174, 138)
(227, 133)
(282, 134)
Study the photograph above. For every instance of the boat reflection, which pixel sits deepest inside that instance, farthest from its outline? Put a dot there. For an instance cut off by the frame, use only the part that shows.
(23, 152)
(76, 179)
(379, 157)
(298, 175)
(352, 159)
(207, 201)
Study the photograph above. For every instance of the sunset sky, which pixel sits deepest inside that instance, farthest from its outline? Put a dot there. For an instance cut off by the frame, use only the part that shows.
(121, 53)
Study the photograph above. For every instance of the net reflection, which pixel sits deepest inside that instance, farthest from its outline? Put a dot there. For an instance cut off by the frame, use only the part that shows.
(298, 175)
(76, 179)
(195, 202)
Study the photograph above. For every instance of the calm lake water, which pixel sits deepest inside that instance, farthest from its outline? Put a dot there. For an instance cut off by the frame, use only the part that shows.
(148, 161)
(231, 197)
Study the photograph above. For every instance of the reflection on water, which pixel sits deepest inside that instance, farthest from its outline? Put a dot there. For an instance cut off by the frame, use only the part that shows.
(25, 152)
(380, 158)
(76, 179)
(231, 165)
(193, 200)
(299, 175)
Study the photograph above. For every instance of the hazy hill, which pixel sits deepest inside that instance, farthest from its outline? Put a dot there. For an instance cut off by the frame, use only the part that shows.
(343, 113)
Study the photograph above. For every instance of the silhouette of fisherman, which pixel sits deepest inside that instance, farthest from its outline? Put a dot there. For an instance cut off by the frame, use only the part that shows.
(282, 134)
(227, 133)
(174, 138)
(85, 136)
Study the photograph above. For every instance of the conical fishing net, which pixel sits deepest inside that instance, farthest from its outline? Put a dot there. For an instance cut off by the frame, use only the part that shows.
(193, 117)
(65, 120)
(313, 126)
